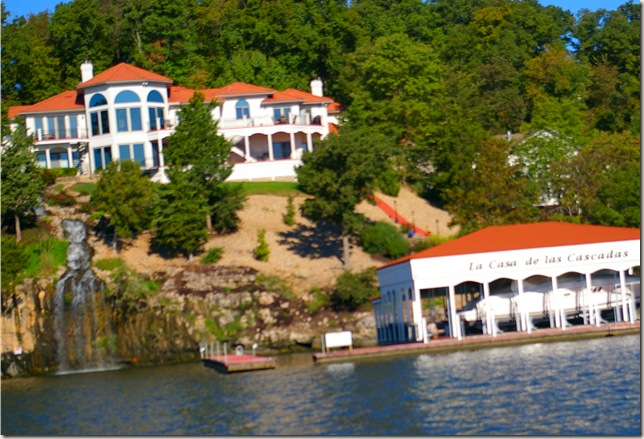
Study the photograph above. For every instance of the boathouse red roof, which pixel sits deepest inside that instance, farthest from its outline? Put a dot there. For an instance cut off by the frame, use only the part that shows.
(525, 236)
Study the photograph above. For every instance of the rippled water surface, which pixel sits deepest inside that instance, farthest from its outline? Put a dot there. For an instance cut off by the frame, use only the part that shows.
(589, 387)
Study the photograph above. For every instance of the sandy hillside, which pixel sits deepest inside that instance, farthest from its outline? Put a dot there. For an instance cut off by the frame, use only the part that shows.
(305, 256)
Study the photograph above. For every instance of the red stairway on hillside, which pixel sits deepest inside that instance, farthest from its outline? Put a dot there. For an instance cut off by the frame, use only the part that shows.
(391, 213)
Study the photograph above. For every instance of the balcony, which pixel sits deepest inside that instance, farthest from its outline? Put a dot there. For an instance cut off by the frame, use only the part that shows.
(55, 135)
(267, 121)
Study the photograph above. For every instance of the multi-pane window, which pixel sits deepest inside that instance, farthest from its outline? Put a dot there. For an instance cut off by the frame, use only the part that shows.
(102, 157)
(242, 109)
(281, 115)
(155, 111)
(129, 118)
(73, 126)
(132, 152)
(99, 119)
(282, 150)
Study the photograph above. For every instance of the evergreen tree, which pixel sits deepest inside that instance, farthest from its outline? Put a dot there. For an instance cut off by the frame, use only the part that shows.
(124, 196)
(22, 187)
(340, 172)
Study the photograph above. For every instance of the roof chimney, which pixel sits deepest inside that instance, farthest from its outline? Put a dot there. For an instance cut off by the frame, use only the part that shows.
(316, 87)
(87, 71)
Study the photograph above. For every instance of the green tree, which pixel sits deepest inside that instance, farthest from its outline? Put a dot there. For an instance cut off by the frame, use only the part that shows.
(197, 155)
(22, 187)
(178, 218)
(125, 198)
(340, 172)
(494, 192)
(355, 289)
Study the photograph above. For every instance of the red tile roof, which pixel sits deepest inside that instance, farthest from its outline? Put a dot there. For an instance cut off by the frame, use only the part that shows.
(65, 101)
(307, 97)
(334, 107)
(526, 236)
(279, 97)
(124, 72)
(241, 89)
(183, 95)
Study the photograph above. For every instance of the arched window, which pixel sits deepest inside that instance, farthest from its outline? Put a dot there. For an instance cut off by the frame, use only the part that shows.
(97, 100)
(242, 108)
(155, 96)
(128, 118)
(126, 96)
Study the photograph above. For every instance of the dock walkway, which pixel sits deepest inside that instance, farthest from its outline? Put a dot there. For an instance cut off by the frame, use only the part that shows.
(239, 363)
(480, 341)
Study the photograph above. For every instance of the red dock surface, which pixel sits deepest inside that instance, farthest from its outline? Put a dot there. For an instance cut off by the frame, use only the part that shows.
(481, 341)
(239, 363)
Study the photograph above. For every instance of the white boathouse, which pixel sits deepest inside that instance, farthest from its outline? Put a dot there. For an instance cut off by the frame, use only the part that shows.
(550, 272)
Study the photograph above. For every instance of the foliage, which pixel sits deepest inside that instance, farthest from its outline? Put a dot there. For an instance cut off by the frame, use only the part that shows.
(353, 290)
(14, 261)
(269, 187)
(109, 264)
(429, 242)
(178, 218)
(125, 197)
(22, 186)
(226, 201)
(319, 300)
(289, 216)
(261, 252)
(46, 254)
(383, 238)
(84, 188)
(275, 284)
(48, 176)
(212, 256)
(130, 289)
(342, 171)
(61, 198)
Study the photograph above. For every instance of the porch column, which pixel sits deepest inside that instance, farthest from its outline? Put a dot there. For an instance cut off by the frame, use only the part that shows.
(246, 147)
(70, 162)
(523, 321)
(161, 157)
(292, 144)
(48, 158)
(270, 148)
(454, 321)
(554, 304)
(309, 142)
(417, 314)
(488, 311)
(622, 287)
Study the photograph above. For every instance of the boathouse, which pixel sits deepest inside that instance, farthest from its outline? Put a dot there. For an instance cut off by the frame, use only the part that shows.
(550, 272)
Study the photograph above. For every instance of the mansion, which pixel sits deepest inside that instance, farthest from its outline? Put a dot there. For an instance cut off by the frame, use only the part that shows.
(127, 112)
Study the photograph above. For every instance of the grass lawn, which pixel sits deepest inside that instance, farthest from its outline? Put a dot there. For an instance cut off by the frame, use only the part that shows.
(84, 188)
(284, 188)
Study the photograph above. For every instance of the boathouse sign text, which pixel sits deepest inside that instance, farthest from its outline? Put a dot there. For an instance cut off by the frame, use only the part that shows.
(548, 260)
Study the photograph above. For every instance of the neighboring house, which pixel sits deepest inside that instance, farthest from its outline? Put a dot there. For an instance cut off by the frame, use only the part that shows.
(127, 112)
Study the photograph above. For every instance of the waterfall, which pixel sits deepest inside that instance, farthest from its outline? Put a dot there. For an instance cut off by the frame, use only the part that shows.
(83, 332)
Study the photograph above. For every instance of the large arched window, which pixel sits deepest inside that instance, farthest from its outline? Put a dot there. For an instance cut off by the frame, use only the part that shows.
(155, 111)
(99, 119)
(128, 118)
(242, 109)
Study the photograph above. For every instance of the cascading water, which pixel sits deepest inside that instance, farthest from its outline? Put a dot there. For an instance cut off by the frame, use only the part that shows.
(84, 335)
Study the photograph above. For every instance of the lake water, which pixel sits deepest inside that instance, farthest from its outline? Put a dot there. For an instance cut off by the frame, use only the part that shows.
(590, 387)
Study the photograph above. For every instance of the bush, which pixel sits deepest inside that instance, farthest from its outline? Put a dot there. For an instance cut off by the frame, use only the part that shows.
(212, 256)
(48, 176)
(383, 238)
(261, 251)
(289, 216)
(109, 264)
(61, 198)
(227, 201)
(429, 242)
(320, 299)
(355, 289)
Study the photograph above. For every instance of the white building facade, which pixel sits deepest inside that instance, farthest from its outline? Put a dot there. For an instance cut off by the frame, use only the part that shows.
(127, 113)
(598, 261)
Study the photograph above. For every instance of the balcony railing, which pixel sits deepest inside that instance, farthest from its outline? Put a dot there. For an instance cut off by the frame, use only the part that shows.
(290, 119)
(78, 133)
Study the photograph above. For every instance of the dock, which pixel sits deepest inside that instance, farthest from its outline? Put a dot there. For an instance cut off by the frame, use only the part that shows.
(447, 344)
(239, 363)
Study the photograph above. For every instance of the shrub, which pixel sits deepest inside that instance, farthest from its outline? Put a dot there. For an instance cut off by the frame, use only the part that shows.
(109, 264)
(261, 251)
(355, 289)
(275, 284)
(212, 256)
(383, 238)
(289, 216)
(48, 176)
(429, 242)
(61, 198)
(320, 299)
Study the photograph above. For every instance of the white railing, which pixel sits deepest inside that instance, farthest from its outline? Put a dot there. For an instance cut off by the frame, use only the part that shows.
(279, 169)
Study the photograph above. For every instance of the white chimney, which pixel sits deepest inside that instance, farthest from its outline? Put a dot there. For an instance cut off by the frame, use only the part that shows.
(87, 71)
(316, 87)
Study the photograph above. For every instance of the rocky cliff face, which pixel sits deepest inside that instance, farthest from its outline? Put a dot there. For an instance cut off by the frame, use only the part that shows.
(193, 306)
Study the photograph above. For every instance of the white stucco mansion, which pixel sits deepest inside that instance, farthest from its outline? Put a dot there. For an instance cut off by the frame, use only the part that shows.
(127, 112)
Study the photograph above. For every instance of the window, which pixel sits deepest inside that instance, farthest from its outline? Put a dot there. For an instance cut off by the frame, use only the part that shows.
(282, 150)
(97, 100)
(51, 127)
(125, 97)
(155, 154)
(132, 152)
(155, 96)
(157, 122)
(99, 120)
(58, 159)
(102, 157)
(42, 159)
(281, 115)
(39, 131)
(60, 128)
(128, 119)
(73, 126)
(242, 109)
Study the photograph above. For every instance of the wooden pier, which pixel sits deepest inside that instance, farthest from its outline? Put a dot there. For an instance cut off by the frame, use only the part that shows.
(480, 342)
(239, 363)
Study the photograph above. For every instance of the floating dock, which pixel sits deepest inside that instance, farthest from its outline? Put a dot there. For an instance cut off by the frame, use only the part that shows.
(447, 344)
(239, 363)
